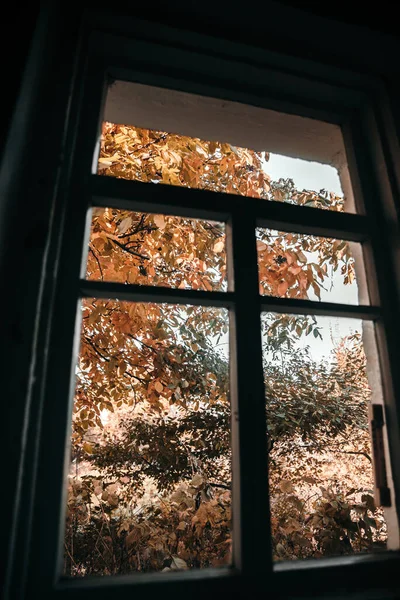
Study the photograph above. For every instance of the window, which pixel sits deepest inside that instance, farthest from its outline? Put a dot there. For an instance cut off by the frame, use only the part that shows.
(253, 86)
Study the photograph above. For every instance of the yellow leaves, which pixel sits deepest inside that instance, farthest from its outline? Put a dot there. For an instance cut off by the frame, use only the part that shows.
(309, 479)
(139, 532)
(278, 195)
(219, 245)
(159, 220)
(286, 487)
(178, 496)
(125, 225)
(178, 563)
(182, 526)
(197, 481)
(109, 160)
(87, 447)
(182, 499)
(159, 387)
(211, 378)
(208, 512)
(112, 500)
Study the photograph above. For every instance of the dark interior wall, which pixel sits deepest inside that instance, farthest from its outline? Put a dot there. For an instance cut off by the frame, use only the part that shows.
(251, 24)
(255, 23)
(357, 12)
(16, 52)
(220, 15)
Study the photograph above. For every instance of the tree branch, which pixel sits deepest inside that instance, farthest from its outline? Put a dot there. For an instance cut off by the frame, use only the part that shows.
(162, 137)
(97, 260)
(107, 358)
(125, 249)
(350, 452)
(220, 485)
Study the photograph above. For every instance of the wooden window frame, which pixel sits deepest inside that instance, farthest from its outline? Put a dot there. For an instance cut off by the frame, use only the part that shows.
(161, 56)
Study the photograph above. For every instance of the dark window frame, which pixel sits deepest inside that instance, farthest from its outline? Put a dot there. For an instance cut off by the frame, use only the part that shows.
(202, 66)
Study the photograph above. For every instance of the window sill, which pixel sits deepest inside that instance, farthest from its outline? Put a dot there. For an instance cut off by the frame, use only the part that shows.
(358, 577)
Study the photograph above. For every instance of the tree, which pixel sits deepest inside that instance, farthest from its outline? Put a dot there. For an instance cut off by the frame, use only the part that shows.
(151, 490)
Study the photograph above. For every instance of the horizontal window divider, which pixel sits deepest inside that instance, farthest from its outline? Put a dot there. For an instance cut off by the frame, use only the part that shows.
(204, 204)
(132, 581)
(148, 293)
(310, 307)
(333, 563)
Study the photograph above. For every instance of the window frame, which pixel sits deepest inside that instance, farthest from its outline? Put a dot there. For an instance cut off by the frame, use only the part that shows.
(361, 109)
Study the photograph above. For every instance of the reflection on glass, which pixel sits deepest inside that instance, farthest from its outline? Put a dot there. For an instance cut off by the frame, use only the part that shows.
(293, 265)
(148, 249)
(149, 479)
(317, 396)
(134, 153)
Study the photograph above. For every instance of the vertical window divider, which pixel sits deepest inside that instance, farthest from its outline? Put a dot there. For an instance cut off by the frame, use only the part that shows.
(250, 507)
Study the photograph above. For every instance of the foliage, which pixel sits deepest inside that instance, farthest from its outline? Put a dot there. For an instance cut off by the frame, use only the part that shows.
(150, 478)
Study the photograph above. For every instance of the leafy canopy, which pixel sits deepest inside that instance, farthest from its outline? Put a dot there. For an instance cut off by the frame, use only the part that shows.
(150, 479)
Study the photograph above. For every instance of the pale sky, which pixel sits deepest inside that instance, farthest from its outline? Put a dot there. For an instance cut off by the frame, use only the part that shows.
(305, 174)
(315, 176)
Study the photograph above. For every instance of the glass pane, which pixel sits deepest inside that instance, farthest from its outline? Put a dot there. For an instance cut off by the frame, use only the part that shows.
(149, 478)
(292, 265)
(130, 152)
(317, 386)
(148, 249)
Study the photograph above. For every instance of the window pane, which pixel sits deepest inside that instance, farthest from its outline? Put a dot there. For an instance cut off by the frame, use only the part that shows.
(134, 153)
(163, 135)
(317, 385)
(148, 249)
(292, 265)
(149, 480)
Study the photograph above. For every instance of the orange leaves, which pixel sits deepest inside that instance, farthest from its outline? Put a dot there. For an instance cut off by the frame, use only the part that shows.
(159, 220)
(158, 387)
(261, 246)
(156, 364)
(295, 269)
(282, 288)
(87, 447)
(125, 224)
(219, 245)
(130, 247)
(121, 321)
(286, 487)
